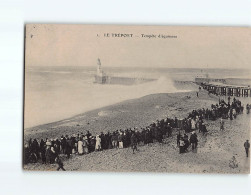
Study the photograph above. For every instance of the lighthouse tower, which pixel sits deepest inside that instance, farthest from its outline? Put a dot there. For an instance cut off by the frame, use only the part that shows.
(100, 77)
(99, 69)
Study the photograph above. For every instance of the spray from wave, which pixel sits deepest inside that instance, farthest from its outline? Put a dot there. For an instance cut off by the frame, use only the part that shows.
(103, 95)
(161, 85)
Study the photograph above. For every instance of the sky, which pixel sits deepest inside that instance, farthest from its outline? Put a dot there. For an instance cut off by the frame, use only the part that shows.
(82, 45)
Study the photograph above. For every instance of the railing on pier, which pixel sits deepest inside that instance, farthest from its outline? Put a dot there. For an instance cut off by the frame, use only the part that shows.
(227, 90)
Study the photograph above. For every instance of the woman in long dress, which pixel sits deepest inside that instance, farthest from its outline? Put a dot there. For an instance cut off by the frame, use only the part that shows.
(80, 146)
(98, 143)
(193, 123)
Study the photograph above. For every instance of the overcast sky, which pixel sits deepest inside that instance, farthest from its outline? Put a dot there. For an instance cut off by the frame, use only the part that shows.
(194, 47)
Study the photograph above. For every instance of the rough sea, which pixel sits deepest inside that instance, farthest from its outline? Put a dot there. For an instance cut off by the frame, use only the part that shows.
(56, 93)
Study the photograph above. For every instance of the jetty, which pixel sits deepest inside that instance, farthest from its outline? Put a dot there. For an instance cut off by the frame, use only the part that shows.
(222, 88)
(102, 78)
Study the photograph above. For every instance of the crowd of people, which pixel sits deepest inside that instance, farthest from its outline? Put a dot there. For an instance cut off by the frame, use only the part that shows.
(48, 150)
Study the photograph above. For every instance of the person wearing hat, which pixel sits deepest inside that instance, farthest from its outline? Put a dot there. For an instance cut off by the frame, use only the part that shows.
(103, 141)
(63, 144)
(92, 144)
(114, 139)
(80, 146)
(134, 142)
(169, 130)
(120, 140)
(26, 153)
(247, 146)
(68, 148)
(182, 145)
(98, 143)
(204, 129)
(48, 154)
(85, 145)
(193, 140)
(222, 124)
(186, 141)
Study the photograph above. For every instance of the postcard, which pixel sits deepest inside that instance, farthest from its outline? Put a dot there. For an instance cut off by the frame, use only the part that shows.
(120, 98)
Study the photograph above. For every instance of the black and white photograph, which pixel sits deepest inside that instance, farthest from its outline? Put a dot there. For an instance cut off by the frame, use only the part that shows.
(137, 98)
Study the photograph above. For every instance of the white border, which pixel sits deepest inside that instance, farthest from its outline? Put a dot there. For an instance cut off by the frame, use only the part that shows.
(14, 14)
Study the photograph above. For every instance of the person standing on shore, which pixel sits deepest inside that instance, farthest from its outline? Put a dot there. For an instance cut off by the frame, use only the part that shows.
(247, 146)
(134, 142)
(48, 154)
(193, 140)
(247, 108)
(193, 124)
(222, 124)
(43, 150)
(169, 130)
(120, 140)
(182, 145)
(68, 148)
(98, 143)
(114, 140)
(60, 163)
(178, 139)
(85, 145)
(80, 146)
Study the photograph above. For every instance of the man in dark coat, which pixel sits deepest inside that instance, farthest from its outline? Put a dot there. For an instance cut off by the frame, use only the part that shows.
(108, 143)
(200, 124)
(68, 149)
(185, 139)
(204, 129)
(35, 148)
(63, 144)
(178, 139)
(26, 153)
(103, 141)
(231, 114)
(247, 146)
(43, 150)
(92, 144)
(147, 136)
(193, 140)
(169, 130)
(134, 142)
(60, 163)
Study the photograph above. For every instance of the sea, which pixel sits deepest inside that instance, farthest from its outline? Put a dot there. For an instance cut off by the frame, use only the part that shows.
(55, 93)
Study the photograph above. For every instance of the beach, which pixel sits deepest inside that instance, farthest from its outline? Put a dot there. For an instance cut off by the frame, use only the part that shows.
(213, 155)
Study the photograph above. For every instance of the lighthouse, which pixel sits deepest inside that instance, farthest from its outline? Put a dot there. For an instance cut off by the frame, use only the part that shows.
(99, 69)
(100, 76)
